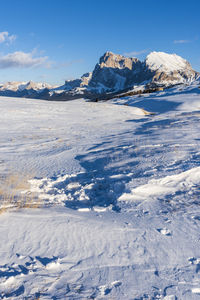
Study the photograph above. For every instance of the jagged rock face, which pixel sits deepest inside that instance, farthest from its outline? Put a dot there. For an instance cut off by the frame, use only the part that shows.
(115, 61)
(85, 79)
(71, 84)
(116, 72)
(74, 84)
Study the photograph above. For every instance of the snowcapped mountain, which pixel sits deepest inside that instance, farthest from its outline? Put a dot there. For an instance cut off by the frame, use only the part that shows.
(169, 68)
(23, 89)
(11, 85)
(20, 86)
(114, 74)
(37, 86)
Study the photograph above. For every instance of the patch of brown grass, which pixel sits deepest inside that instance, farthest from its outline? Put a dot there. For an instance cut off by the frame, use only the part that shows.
(147, 112)
(14, 193)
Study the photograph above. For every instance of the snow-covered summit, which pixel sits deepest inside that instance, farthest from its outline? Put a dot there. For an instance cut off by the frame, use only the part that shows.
(165, 62)
(169, 69)
(11, 85)
(17, 86)
(116, 72)
(35, 85)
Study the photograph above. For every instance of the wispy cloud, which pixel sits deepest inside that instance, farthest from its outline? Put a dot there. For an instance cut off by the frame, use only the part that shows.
(66, 64)
(181, 41)
(5, 37)
(21, 59)
(135, 53)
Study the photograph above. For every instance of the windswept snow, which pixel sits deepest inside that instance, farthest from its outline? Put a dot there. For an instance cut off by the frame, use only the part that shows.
(184, 182)
(119, 214)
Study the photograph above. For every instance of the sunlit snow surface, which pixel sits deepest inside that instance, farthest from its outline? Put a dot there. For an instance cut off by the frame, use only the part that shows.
(120, 215)
(165, 62)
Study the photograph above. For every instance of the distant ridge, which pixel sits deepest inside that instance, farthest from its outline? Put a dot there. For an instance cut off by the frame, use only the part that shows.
(112, 75)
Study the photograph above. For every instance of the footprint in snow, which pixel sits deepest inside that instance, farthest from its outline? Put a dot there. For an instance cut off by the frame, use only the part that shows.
(197, 218)
(170, 297)
(46, 260)
(196, 262)
(164, 231)
(106, 289)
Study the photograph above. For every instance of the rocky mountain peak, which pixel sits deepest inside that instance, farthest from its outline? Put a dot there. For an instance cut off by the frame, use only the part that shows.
(115, 72)
(111, 60)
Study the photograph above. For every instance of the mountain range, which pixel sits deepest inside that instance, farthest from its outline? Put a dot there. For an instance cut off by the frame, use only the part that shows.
(113, 75)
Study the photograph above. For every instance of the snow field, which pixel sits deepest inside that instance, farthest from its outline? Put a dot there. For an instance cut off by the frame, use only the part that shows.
(119, 189)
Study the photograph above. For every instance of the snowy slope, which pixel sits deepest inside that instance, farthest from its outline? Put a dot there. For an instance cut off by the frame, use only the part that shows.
(164, 62)
(118, 188)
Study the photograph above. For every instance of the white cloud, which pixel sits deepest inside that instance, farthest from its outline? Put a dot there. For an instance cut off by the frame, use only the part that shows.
(21, 59)
(181, 41)
(5, 37)
(135, 53)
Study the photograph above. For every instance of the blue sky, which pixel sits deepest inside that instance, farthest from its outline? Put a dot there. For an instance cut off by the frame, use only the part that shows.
(52, 41)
